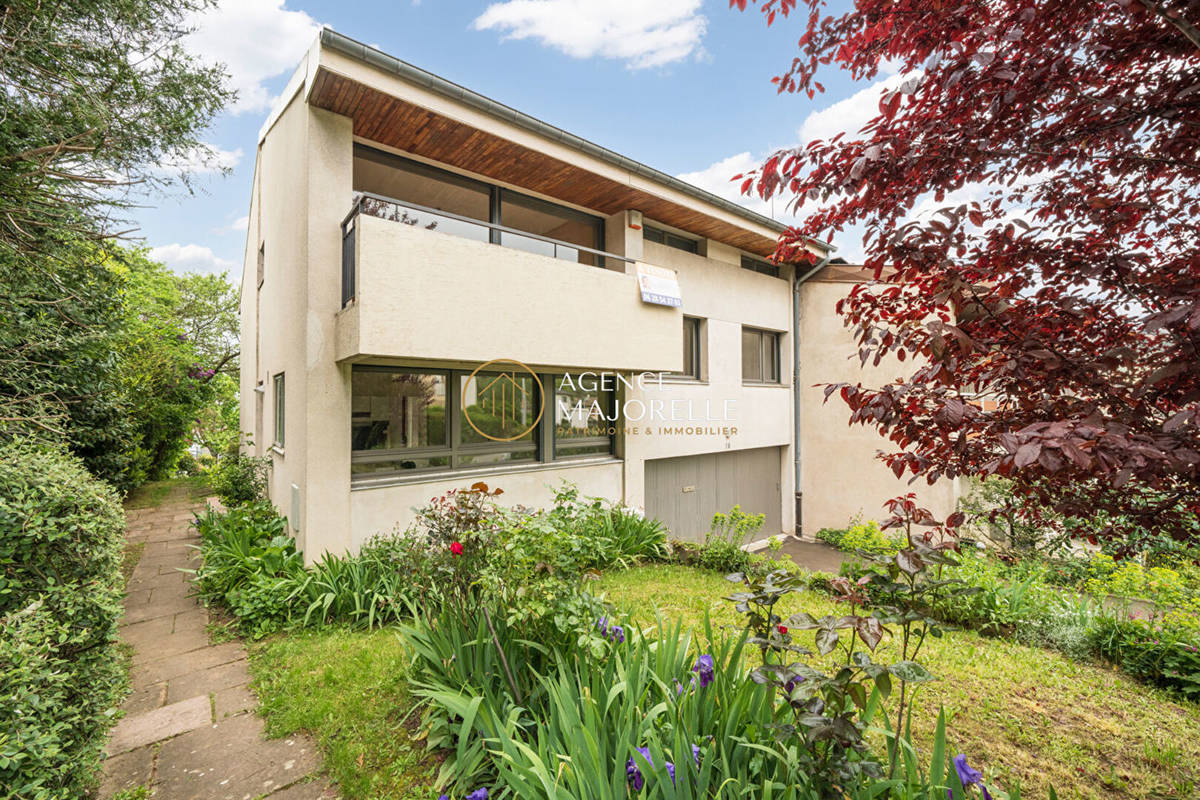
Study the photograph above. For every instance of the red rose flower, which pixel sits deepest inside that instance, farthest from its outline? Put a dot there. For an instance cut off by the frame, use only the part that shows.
(456, 548)
(783, 628)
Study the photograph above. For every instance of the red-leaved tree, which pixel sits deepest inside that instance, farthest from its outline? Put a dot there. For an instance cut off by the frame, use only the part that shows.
(1064, 289)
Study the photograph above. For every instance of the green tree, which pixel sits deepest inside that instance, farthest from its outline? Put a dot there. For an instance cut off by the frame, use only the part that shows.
(97, 96)
(163, 377)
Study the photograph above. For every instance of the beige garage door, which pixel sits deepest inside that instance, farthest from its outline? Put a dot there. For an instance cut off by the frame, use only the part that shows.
(685, 492)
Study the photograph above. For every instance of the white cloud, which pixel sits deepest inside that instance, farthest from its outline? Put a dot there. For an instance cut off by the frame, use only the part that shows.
(641, 34)
(201, 162)
(239, 225)
(256, 40)
(848, 115)
(190, 258)
(717, 178)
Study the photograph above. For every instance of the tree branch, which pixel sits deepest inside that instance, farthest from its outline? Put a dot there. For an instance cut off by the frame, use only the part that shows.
(1188, 29)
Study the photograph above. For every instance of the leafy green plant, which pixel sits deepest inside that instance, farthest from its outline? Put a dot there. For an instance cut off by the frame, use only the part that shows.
(832, 536)
(1158, 652)
(239, 479)
(722, 550)
(61, 673)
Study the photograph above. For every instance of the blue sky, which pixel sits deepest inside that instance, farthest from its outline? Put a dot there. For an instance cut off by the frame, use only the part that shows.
(682, 85)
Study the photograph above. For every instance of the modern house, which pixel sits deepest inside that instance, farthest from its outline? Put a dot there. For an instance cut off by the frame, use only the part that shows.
(441, 290)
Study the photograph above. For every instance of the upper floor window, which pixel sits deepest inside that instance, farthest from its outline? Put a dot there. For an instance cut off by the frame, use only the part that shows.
(658, 235)
(262, 263)
(474, 208)
(758, 265)
(760, 356)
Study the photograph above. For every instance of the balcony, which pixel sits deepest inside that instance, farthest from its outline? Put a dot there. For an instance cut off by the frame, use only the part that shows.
(424, 284)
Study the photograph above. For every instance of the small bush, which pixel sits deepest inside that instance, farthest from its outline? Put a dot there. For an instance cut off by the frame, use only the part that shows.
(239, 479)
(61, 673)
(1162, 652)
(722, 550)
(832, 536)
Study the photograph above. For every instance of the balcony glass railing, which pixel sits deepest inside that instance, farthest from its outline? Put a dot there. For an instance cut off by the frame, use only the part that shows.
(431, 219)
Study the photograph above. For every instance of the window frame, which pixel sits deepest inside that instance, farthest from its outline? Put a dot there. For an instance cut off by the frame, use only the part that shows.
(695, 370)
(496, 194)
(279, 410)
(543, 441)
(765, 336)
(761, 266)
(670, 239)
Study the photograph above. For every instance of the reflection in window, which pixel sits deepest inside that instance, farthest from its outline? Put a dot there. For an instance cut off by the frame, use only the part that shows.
(394, 410)
(553, 221)
(399, 422)
(413, 182)
(760, 356)
(582, 417)
(691, 347)
(659, 236)
(498, 406)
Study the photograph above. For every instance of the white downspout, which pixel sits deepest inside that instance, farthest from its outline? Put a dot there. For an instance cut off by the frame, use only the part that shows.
(796, 376)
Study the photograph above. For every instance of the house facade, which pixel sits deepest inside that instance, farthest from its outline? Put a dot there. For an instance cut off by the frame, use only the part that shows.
(440, 290)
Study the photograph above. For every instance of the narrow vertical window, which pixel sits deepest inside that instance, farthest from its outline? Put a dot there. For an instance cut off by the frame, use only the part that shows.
(262, 260)
(278, 390)
(692, 329)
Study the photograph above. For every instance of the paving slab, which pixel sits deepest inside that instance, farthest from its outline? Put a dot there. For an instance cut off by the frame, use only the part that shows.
(146, 698)
(305, 790)
(234, 700)
(161, 723)
(163, 669)
(207, 681)
(127, 770)
(231, 761)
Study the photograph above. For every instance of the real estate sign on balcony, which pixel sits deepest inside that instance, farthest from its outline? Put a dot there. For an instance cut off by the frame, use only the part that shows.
(659, 285)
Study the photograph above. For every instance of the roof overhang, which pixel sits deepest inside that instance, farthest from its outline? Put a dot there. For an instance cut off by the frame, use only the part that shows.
(401, 106)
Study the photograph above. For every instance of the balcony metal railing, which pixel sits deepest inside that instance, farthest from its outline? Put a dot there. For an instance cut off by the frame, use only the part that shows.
(389, 208)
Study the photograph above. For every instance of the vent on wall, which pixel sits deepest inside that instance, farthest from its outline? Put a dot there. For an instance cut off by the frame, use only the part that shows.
(294, 516)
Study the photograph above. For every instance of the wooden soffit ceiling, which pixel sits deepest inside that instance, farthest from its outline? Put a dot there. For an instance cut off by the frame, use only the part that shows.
(398, 123)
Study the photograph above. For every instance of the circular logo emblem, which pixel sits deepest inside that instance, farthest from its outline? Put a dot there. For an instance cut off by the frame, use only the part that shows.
(500, 397)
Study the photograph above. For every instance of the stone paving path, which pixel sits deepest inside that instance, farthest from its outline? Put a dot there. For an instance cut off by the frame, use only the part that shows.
(190, 731)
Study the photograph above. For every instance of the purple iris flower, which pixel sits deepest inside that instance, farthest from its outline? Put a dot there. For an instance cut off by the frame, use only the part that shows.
(634, 775)
(618, 634)
(792, 683)
(479, 794)
(444, 797)
(968, 776)
(704, 667)
(602, 626)
(696, 754)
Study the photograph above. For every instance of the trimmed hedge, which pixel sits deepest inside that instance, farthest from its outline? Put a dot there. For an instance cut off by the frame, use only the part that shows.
(62, 675)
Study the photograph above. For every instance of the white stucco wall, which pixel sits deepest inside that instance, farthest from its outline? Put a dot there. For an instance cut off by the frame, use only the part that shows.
(384, 509)
(427, 294)
(840, 475)
(716, 289)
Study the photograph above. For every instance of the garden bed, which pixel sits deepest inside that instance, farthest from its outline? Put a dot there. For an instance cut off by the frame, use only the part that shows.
(1024, 713)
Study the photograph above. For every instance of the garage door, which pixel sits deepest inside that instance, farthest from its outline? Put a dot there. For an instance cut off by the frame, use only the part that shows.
(684, 493)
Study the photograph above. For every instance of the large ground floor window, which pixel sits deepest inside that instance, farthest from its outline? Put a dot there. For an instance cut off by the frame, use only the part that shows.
(420, 420)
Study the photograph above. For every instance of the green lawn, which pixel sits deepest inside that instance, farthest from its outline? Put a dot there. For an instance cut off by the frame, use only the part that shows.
(152, 494)
(1023, 713)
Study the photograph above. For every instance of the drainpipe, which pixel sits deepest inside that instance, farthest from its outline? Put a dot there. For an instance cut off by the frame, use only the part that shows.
(796, 374)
